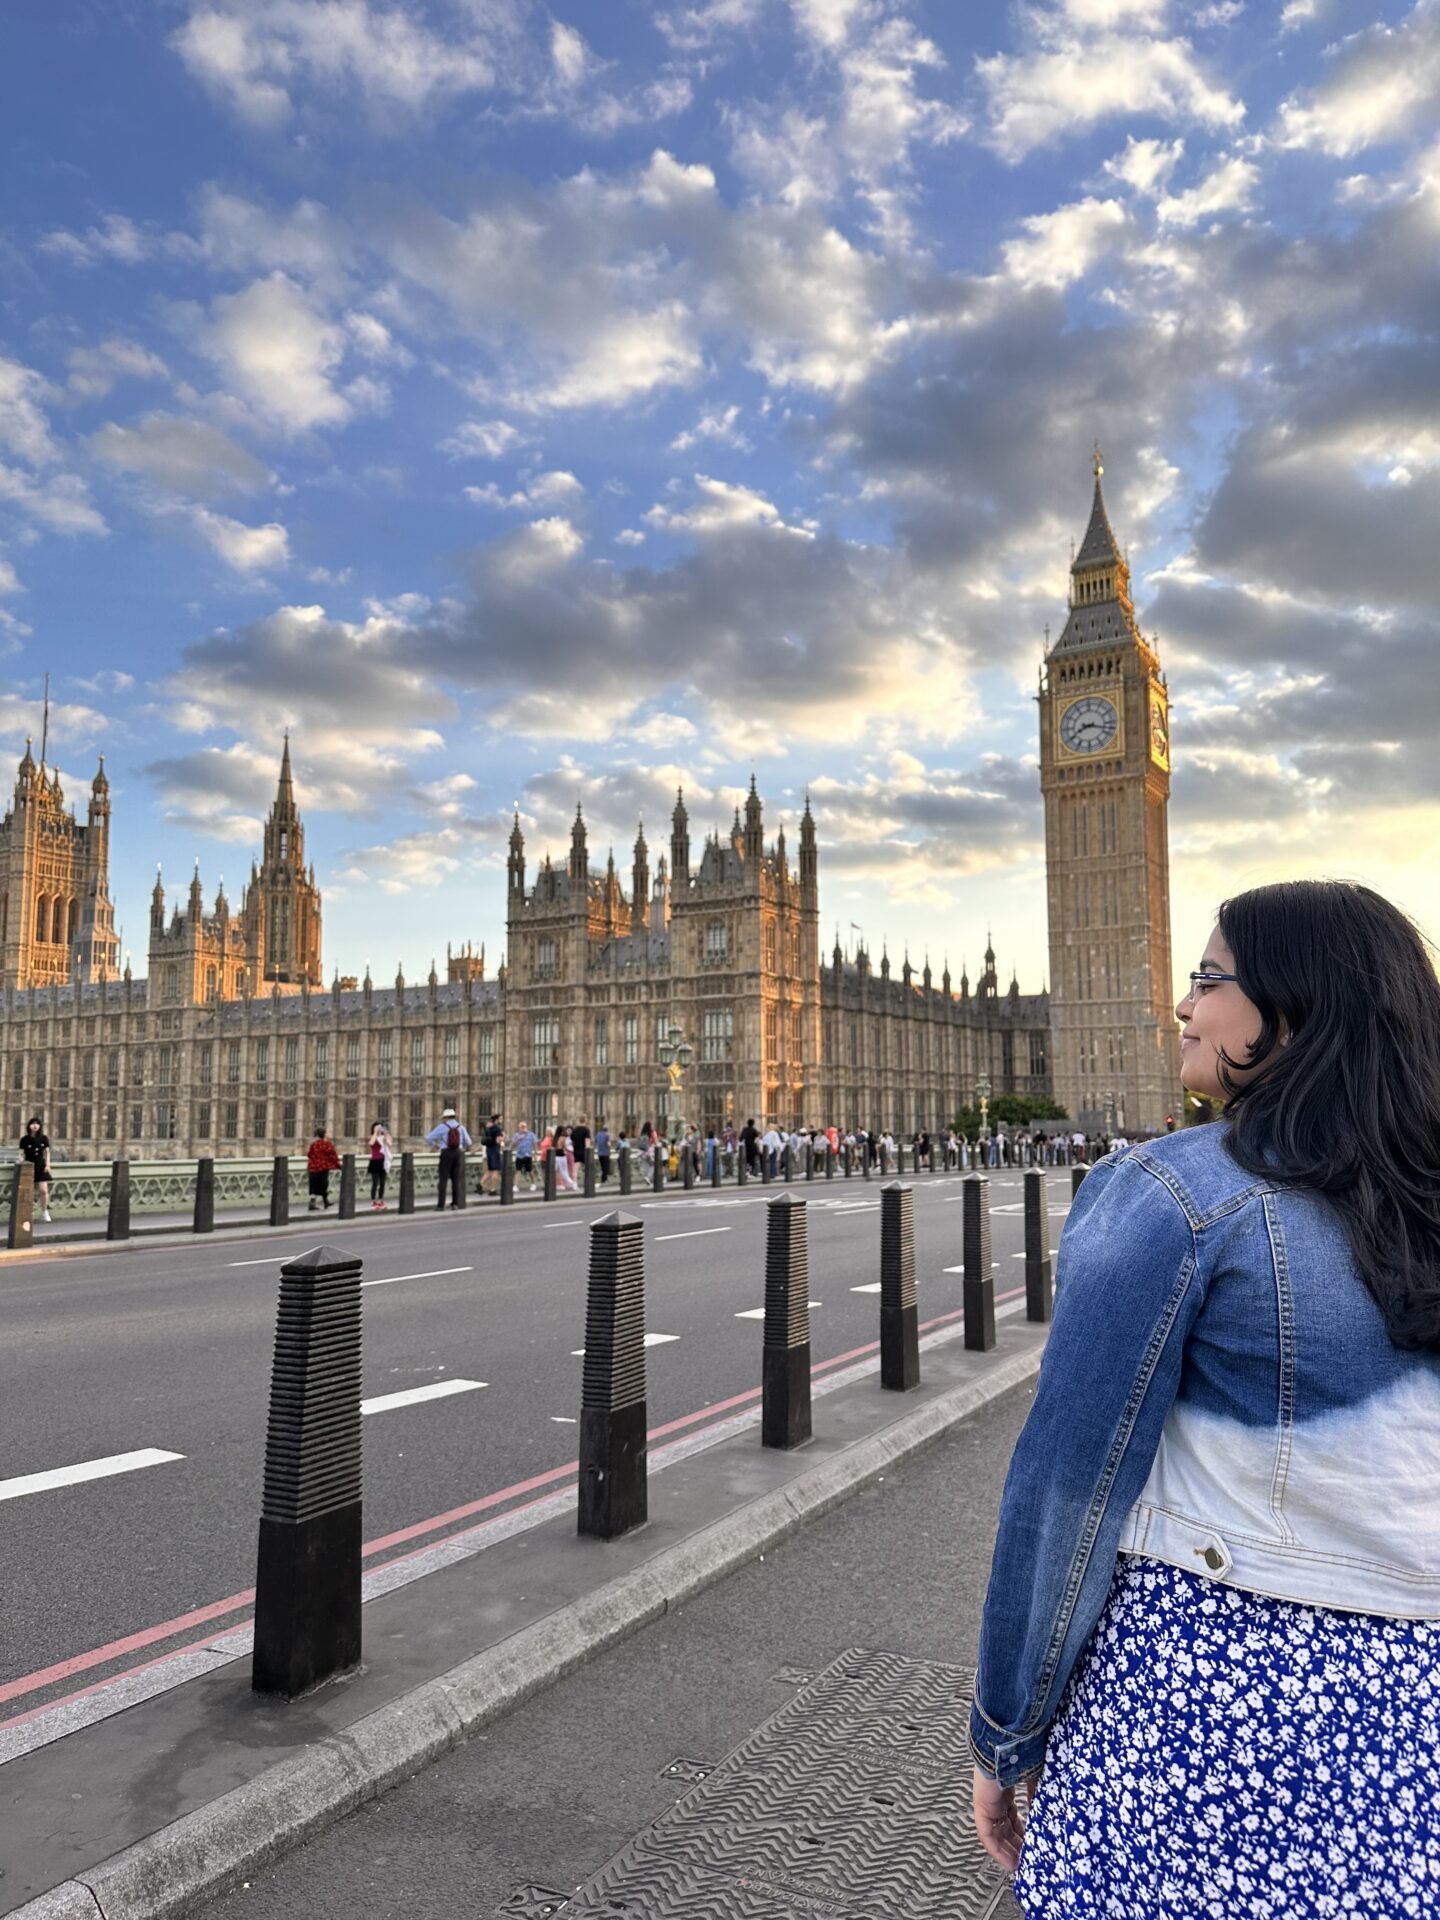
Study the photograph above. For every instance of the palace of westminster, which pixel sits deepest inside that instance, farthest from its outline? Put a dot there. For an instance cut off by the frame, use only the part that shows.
(233, 1044)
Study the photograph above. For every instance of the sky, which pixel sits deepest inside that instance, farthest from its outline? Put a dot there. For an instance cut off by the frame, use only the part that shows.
(535, 405)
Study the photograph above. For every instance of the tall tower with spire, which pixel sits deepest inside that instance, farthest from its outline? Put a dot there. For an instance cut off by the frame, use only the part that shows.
(281, 909)
(56, 920)
(1105, 779)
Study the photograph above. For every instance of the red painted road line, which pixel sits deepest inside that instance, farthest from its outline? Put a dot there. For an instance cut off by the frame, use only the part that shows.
(149, 1636)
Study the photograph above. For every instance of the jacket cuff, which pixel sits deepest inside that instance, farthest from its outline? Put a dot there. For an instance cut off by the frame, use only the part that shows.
(1006, 1759)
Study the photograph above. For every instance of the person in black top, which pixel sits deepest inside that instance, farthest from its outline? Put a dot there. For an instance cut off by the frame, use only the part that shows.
(494, 1147)
(749, 1142)
(580, 1142)
(35, 1147)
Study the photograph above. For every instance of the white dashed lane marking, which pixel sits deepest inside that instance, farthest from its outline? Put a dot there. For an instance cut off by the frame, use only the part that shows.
(84, 1470)
(394, 1279)
(412, 1396)
(758, 1313)
(695, 1233)
(651, 1340)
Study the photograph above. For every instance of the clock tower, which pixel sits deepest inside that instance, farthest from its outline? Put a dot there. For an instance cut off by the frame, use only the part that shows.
(1105, 778)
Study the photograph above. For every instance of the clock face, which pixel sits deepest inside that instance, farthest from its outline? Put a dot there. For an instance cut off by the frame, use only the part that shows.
(1088, 725)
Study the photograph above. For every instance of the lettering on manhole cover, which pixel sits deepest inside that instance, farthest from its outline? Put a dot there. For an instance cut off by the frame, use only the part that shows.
(851, 1803)
(533, 1903)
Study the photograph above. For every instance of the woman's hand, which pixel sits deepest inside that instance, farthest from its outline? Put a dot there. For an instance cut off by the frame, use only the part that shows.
(998, 1824)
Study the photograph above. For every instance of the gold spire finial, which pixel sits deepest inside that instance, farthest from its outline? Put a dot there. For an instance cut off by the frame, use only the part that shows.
(1099, 463)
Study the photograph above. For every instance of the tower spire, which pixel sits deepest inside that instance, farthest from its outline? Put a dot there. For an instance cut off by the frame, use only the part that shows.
(45, 722)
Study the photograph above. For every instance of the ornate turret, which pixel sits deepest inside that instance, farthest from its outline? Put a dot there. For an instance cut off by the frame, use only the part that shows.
(808, 872)
(515, 866)
(754, 827)
(579, 853)
(640, 881)
(680, 843)
(157, 905)
(737, 834)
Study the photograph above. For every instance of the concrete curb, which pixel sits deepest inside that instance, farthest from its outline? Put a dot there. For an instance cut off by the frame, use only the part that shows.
(207, 1852)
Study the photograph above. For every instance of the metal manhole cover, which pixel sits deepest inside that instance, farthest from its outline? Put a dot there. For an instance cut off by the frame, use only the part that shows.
(532, 1903)
(851, 1803)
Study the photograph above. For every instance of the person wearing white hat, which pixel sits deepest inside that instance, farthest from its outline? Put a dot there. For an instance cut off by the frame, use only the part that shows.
(452, 1140)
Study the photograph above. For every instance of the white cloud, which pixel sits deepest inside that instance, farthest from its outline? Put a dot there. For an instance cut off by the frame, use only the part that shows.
(117, 238)
(482, 440)
(1230, 188)
(1062, 246)
(95, 370)
(625, 357)
(256, 56)
(61, 503)
(240, 235)
(246, 549)
(630, 537)
(281, 352)
(185, 456)
(829, 23)
(1146, 165)
(690, 29)
(1071, 81)
(716, 423)
(544, 490)
(664, 730)
(1297, 13)
(373, 340)
(24, 425)
(723, 508)
(569, 53)
(1384, 83)
(884, 112)
(9, 579)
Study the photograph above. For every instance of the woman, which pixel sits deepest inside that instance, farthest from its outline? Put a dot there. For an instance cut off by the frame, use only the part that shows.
(321, 1161)
(1214, 1606)
(382, 1152)
(35, 1147)
(564, 1161)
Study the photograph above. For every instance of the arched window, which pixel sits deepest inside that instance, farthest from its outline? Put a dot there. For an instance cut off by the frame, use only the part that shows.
(42, 919)
(70, 920)
(210, 983)
(57, 921)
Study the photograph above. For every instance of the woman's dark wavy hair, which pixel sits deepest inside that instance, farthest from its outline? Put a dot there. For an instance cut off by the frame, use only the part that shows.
(1350, 1107)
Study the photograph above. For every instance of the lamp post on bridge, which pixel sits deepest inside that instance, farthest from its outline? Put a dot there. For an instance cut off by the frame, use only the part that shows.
(675, 1053)
(982, 1097)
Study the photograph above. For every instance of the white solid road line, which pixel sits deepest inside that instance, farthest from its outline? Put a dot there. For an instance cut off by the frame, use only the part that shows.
(270, 1260)
(873, 1286)
(695, 1233)
(435, 1273)
(85, 1470)
(758, 1313)
(437, 1390)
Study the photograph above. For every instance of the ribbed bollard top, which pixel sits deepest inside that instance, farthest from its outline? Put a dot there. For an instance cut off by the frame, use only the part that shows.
(897, 1246)
(787, 1273)
(312, 1445)
(614, 1373)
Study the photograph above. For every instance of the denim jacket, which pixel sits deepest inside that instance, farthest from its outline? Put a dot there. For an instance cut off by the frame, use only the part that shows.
(1219, 1391)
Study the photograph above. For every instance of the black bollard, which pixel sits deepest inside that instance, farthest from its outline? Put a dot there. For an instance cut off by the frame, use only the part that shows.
(1038, 1292)
(117, 1224)
(22, 1206)
(742, 1171)
(1077, 1175)
(830, 1160)
(900, 1160)
(307, 1581)
(658, 1152)
(407, 1183)
(687, 1165)
(785, 1380)
(347, 1187)
(787, 1153)
(899, 1304)
(280, 1191)
(507, 1176)
(547, 1185)
(589, 1169)
(978, 1288)
(885, 1161)
(717, 1167)
(458, 1194)
(809, 1159)
(766, 1172)
(203, 1220)
(624, 1171)
(612, 1403)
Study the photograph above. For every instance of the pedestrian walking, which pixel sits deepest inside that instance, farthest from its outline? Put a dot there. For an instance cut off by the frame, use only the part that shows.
(382, 1152)
(320, 1162)
(1214, 1604)
(452, 1140)
(524, 1145)
(564, 1161)
(580, 1141)
(494, 1147)
(750, 1146)
(602, 1151)
(35, 1147)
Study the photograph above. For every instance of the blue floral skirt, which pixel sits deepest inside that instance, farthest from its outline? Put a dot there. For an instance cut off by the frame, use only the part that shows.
(1220, 1754)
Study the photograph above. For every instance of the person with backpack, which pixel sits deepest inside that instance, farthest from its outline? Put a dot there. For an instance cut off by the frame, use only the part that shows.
(452, 1140)
(1211, 1643)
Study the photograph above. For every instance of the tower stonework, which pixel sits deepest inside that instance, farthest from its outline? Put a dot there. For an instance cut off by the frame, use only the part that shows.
(281, 908)
(1105, 779)
(56, 919)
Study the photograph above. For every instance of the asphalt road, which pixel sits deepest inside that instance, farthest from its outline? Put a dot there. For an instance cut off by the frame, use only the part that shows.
(169, 1349)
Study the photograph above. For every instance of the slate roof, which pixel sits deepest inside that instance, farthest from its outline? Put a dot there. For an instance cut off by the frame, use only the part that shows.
(1099, 545)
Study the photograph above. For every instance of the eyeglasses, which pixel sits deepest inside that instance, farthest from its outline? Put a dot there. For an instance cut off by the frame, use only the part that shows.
(1201, 982)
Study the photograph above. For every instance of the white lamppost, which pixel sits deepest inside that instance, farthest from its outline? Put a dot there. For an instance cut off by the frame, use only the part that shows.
(675, 1053)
